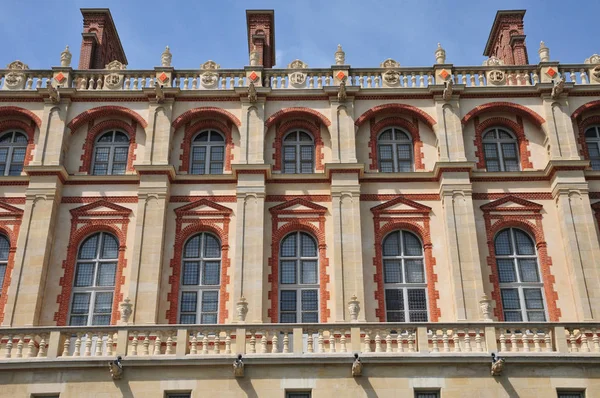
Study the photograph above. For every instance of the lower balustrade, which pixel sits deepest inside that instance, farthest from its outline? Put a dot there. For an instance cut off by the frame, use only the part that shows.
(367, 339)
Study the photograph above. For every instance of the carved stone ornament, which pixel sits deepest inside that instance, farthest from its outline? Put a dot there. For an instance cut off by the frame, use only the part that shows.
(209, 79)
(558, 88)
(252, 94)
(340, 56)
(166, 57)
(65, 57)
(297, 79)
(238, 366)
(115, 65)
(391, 77)
(116, 369)
(595, 74)
(544, 52)
(447, 94)
(389, 63)
(493, 61)
(440, 55)
(53, 93)
(15, 79)
(485, 305)
(210, 65)
(342, 91)
(297, 64)
(114, 81)
(594, 59)
(241, 308)
(126, 310)
(353, 308)
(497, 365)
(496, 77)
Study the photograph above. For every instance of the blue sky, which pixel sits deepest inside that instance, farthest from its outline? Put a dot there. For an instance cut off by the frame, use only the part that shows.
(35, 32)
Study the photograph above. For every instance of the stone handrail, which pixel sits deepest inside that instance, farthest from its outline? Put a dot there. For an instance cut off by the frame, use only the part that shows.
(370, 339)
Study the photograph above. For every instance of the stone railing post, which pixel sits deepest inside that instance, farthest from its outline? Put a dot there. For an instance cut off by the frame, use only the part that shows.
(560, 340)
(490, 339)
(298, 340)
(422, 340)
(240, 340)
(54, 345)
(122, 341)
(355, 339)
(182, 343)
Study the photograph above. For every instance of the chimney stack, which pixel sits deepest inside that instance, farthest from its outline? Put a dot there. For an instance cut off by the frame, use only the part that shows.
(507, 38)
(261, 34)
(100, 43)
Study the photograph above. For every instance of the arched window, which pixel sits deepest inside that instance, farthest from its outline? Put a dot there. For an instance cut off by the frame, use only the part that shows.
(13, 146)
(208, 153)
(4, 250)
(200, 279)
(500, 150)
(519, 276)
(395, 148)
(404, 278)
(94, 284)
(592, 139)
(299, 279)
(110, 153)
(298, 152)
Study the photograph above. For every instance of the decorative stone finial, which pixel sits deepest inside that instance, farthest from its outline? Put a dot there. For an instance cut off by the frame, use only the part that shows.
(485, 304)
(440, 55)
(65, 57)
(353, 308)
(254, 56)
(252, 94)
(126, 310)
(340, 56)
(544, 52)
(166, 57)
(242, 309)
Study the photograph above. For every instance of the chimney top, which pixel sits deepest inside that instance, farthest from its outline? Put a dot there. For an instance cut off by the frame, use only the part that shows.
(261, 33)
(501, 15)
(100, 39)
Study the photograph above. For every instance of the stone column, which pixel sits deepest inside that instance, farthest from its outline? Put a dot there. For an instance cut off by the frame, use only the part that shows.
(34, 246)
(146, 265)
(448, 130)
(346, 270)
(580, 242)
(463, 252)
(343, 137)
(248, 271)
(52, 134)
(560, 134)
(158, 134)
(252, 132)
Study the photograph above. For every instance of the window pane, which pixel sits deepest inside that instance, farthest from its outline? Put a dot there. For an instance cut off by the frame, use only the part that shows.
(591, 132)
(216, 168)
(510, 299)
(503, 243)
(386, 167)
(404, 151)
(216, 137)
(533, 299)
(106, 274)
(3, 155)
(417, 300)
(524, 243)
(211, 273)
(210, 301)
(529, 270)
(303, 136)
(309, 272)
(391, 271)
(207, 319)
(288, 246)
(386, 135)
(395, 316)
(191, 273)
(78, 320)
(192, 247)
(310, 300)
(81, 303)
(4, 248)
(506, 270)
(2, 273)
(106, 137)
(288, 300)
(509, 151)
(414, 271)
(401, 135)
(391, 245)
(490, 151)
(513, 316)
(212, 247)
(199, 154)
(306, 152)
(288, 272)
(6, 138)
(288, 317)
(189, 301)
(593, 149)
(536, 316)
(412, 245)
(217, 153)
(310, 317)
(100, 169)
(102, 154)
(118, 168)
(492, 165)
(103, 302)
(504, 135)
(186, 319)
(306, 167)
(309, 246)
(289, 168)
(88, 248)
(570, 394)
(120, 154)
(511, 165)
(289, 153)
(385, 152)
(404, 166)
(110, 247)
(394, 300)
(18, 155)
(203, 136)
(121, 137)
(84, 275)
(427, 395)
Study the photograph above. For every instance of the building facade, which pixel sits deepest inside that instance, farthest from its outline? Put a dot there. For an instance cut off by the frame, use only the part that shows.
(421, 218)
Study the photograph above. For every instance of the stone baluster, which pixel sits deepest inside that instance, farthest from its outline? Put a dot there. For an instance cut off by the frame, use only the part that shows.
(411, 341)
(514, 342)
(573, 76)
(31, 347)
(109, 344)
(536, 341)
(146, 344)
(413, 80)
(88, 345)
(186, 82)
(596, 340)
(445, 342)
(98, 351)
(8, 347)
(82, 83)
(434, 341)
(286, 342)
(127, 83)
(157, 345)
(467, 341)
(99, 83)
(456, 341)
(572, 340)
(21, 344)
(404, 80)
(274, 343)
(195, 82)
(361, 80)
(227, 342)
(526, 78)
(205, 342)
(169, 348)
(91, 83)
(388, 342)
(38, 83)
(548, 342)
(263, 342)
(478, 345)
(217, 344)
(77, 349)
(222, 82)
(421, 80)
(481, 81)
(584, 342)
(343, 341)
(310, 80)
(329, 80)
(309, 343)
(519, 78)
(525, 339)
(319, 82)
(29, 83)
(252, 349)
(43, 347)
(583, 76)
(320, 342)
(134, 344)
(369, 81)
(194, 343)
(472, 79)
(377, 342)
(502, 342)
(400, 342)
(535, 78)
(331, 341)
(367, 342)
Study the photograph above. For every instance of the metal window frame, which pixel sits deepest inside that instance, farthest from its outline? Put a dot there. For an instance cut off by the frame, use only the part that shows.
(394, 143)
(200, 289)
(593, 141)
(579, 391)
(298, 287)
(93, 290)
(519, 285)
(297, 145)
(111, 154)
(11, 148)
(292, 393)
(174, 394)
(404, 286)
(435, 391)
(499, 141)
(3, 263)
(209, 145)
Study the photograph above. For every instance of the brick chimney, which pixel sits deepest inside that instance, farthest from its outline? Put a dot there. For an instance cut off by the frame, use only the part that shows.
(261, 33)
(507, 38)
(100, 43)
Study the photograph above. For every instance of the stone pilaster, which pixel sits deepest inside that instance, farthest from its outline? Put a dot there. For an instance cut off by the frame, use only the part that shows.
(343, 137)
(252, 132)
(448, 130)
(158, 133)
(52, 134)
(34, 247)
(561, 138)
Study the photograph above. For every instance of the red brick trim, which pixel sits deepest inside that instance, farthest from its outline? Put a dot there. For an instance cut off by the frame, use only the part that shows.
(398, 109)
(27, 128)
(95, 130)
(190, 221)
(297, 113)
(415, 220)
(286, 127)
(584, 108)
(205, 111)
(212, 198)
(516, 128)
(520, 195)
(286, 198)
(85, 221)
(583, 125)
(411, 128)
(529, 219)
(190, 132)
(373, 197)
(16, 200)
(507, 107)
(10, 223)
(103, 111)
(92, 199)
(293, 221)
(11, 111)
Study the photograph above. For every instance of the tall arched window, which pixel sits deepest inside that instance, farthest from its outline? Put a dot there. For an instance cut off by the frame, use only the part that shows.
(521, 288)
(404, 278)
(4, 250)
(208, 153)
(110, 153)
(94, 284)
(395, 150)
(500, 150)
(298, 152)
(299, 279)
(200, 279)
(13, 146)
(592, 139)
